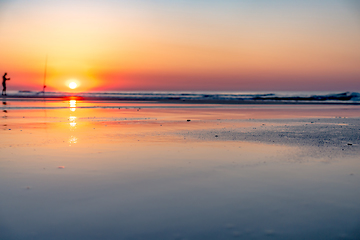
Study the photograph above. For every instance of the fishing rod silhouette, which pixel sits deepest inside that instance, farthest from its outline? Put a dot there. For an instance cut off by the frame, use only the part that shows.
(44, 82)
(44, 85)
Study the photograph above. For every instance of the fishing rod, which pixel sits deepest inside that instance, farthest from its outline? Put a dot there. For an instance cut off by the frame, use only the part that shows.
(44, 85)
(43, 91)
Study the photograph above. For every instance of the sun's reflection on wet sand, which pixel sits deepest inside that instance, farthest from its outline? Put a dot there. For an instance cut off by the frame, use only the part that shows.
(72, 122)
(72, 140)
(72, 104)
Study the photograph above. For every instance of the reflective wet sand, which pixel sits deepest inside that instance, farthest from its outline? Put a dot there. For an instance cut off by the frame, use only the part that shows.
(110, 170)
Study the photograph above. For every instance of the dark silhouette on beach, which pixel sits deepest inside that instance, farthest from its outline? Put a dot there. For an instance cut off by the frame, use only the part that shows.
(3, 93)
(5, 111)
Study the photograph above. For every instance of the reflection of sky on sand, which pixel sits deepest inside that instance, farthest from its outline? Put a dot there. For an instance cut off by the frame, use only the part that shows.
(267, 111)
(134, 176)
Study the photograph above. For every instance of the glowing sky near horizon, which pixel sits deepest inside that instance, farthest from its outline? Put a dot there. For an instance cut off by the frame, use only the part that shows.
(182, 44)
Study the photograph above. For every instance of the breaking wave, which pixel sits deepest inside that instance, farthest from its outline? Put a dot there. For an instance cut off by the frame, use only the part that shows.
(221, 97)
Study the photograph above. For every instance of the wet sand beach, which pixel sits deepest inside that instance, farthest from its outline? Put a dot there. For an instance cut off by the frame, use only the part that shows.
(73, 169)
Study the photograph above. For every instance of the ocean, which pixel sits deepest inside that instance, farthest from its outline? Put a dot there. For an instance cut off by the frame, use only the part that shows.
(203, 96)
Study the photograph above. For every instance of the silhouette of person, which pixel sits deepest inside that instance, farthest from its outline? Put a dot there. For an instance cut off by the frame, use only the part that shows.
(4, 84)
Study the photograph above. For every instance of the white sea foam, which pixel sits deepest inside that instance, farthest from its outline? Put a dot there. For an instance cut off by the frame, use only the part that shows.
(223, 97)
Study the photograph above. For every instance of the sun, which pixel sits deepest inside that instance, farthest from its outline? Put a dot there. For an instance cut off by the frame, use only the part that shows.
(73, 85)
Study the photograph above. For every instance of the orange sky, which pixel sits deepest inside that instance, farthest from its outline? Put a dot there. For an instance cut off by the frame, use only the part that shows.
(182, 45)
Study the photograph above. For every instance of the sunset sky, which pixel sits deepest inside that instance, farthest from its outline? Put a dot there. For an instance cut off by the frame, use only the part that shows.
(181, 45)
